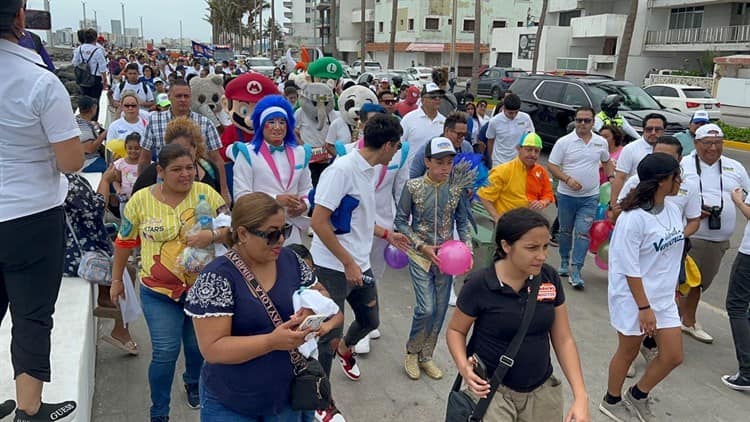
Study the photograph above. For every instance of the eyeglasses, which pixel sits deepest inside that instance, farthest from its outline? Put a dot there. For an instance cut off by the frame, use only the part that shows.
(585, 120)
(272, 237)
(718, 143)
(130, 105)
(655, 129)
(460, 134)
(389, 102)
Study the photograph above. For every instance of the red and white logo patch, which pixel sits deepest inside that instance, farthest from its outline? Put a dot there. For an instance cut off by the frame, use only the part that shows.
(254, 88)
(547, 291)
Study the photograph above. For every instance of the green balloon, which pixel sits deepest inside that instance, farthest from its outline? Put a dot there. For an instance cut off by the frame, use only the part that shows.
(603, 251)
(605, 191)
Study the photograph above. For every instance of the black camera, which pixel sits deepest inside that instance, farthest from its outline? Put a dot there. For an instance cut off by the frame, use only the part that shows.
(714, 217)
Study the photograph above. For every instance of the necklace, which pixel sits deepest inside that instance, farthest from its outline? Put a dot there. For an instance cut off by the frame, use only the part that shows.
(656, 217)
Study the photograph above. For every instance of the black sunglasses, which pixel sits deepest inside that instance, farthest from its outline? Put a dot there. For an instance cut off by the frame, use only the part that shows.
(272, 237)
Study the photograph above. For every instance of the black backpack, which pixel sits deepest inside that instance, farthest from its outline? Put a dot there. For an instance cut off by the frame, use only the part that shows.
(143, 84)
(84, 78)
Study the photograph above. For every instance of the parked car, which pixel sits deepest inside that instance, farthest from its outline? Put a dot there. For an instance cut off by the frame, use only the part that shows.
(496, 80)
(685, 98)
(348, 71)
(370, 66)
(405, 77)
(422, 73)
(551, 101)
(262, 65)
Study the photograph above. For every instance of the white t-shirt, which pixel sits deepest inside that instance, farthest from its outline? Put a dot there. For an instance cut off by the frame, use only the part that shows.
(650, 247)
(339, 131)
(308, 128)
(632, 154)
(580, 161)
(418, 129)
(36, 115)
(733, 175)
(348, 175)
(143, 96)
(507, 133)
(121, 128)
(688, 199)
(745, 245)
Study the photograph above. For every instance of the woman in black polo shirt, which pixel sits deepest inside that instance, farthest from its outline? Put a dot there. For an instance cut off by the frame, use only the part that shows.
(493, 301)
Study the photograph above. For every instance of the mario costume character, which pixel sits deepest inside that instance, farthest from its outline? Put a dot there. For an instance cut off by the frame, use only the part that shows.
(273, 163)
(240, 97)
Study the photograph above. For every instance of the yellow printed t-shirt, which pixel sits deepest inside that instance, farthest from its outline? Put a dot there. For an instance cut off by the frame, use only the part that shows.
(161, 230)
(512, 186)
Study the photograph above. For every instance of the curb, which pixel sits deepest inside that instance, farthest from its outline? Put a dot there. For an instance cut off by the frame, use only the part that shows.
(743, 146)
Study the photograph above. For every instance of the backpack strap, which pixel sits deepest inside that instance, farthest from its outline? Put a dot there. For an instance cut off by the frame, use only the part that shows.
(240, 148)
(404, 154)
(145, 87)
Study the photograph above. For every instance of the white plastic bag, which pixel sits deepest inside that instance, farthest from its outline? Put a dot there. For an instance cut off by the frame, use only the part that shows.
(192, 260)
(130, 308)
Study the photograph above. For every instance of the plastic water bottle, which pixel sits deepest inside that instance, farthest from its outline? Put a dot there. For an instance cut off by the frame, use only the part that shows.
(204, 214)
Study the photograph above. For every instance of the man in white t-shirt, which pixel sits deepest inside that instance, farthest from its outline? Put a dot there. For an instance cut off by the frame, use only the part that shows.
(505, 129)
(574, 160)
(141, 89)
(424, 123)
(717, 177)
(341, 246)
(632, 154)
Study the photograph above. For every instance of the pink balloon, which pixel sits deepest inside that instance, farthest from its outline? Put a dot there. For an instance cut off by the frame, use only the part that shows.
(601, 263)
(455, 257)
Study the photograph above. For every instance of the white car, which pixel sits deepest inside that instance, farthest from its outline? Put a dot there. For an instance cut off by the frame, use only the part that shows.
(422, 73)
(686, 98)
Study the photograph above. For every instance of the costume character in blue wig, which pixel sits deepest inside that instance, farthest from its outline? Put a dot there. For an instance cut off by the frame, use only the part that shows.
(273, 163)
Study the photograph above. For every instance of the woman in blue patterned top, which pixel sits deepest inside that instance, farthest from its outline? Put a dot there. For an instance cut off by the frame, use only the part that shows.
(248, 371)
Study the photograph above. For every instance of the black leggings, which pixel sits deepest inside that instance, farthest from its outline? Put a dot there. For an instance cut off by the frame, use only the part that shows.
(94, 92)
(31, 264)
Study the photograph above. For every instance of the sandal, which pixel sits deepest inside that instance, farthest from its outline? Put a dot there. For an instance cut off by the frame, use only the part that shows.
(130, 347)
(106, 312)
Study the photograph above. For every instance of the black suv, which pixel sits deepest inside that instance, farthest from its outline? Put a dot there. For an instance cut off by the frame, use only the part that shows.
(551, 101)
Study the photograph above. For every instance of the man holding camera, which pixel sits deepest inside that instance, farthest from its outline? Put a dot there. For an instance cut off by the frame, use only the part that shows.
(717, 176)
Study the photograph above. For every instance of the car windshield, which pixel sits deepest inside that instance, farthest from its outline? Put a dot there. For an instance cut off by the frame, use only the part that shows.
(696, 93)
(635, 98)
(261, 61)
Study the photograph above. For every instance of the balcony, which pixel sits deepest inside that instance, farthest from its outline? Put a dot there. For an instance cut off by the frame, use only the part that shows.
(598, 26)
(655, 4)
(562, 5)
(724, 38)
(357, 15)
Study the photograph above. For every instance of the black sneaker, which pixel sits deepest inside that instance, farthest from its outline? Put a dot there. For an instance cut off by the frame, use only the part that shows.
(193, 398)
(553, 241)
(48, 412)
(6, 408)
(736, 382)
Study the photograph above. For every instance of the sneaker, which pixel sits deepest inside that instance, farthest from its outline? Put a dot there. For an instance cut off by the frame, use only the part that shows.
(649, 354)
(411, 365)
(563, 271)
(310, 232)
(349, 365)
(631, 371)
(363, 346)
(698, 333)
(329, 415)
(642, 407)
(160, 419)
(621, 411)
(374, 334)
(553, 241)
(48, 412)
(736, 382)
(7, 407)
(576, 280)
(452, 300)
(193, 399)
(431, 370)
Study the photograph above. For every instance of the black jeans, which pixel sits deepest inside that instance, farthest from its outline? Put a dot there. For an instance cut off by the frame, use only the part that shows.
(364, 303)
(31, 264)
(316, 169)
(738, 303)
(94, 92)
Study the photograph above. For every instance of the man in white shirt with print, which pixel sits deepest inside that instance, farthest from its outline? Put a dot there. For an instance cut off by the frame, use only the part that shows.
(424, 123)
(505, 129)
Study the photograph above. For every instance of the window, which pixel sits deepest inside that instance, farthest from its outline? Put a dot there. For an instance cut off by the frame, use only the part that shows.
(575, 96)
(401, 22)
(411, 24)
(450, 21)
(308, 9)
(696, 93)
(654, 91)
(380, 26)
(520, 24)
(498, 24)
(669, 92)
(468, 25)
(550, 91)
(686, 17)
(307, 20)
(565, 17)
(432, 24)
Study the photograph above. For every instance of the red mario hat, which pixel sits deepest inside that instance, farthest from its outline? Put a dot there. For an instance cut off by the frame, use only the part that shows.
(250, 88)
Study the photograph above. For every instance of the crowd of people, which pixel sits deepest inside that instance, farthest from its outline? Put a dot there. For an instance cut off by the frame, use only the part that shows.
(212, 217)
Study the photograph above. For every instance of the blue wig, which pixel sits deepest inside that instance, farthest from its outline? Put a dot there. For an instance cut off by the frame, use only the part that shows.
(277, 106)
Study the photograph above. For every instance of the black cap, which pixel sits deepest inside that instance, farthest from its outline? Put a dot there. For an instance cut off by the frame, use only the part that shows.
(656, 166)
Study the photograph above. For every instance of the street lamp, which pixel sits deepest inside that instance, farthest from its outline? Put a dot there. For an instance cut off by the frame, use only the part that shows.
(83, 24)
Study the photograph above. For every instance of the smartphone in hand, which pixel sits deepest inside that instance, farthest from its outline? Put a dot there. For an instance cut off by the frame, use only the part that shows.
(312, 321)
(479, 367)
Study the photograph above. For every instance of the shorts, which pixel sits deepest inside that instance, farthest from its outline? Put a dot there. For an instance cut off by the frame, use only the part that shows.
(707, 255)
(543, 404)
(623, 313)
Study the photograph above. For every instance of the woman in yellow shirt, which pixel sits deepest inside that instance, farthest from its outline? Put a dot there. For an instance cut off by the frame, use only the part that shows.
(158, 220)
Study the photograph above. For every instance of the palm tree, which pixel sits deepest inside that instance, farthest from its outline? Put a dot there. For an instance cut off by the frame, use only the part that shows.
(627, 38)
(392, 44)
(539, 28)
(477, 59)
(333, 29)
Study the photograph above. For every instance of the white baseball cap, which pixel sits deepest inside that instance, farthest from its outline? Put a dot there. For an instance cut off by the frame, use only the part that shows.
(708, 130)
(439, 147)
(700, 116)
(432, 88)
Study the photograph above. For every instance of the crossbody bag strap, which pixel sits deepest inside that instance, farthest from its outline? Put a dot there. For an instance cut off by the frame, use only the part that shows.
(507, 359)
(73, 233)
(298, 361)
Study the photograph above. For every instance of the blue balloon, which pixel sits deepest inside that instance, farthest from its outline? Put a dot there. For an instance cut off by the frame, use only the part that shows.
(601, 212)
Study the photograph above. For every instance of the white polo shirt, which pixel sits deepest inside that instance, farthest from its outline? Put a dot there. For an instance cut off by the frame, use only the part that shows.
(688, 198)
(632, 154)
(308, 128)
(732, 175)
(418, 129)
(348, 175)
(507, 133)
(745, 245)
(580, 160)
(36, 113)
(339, 131)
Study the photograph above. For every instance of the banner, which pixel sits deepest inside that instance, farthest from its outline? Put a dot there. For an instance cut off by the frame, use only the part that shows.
(202, 51)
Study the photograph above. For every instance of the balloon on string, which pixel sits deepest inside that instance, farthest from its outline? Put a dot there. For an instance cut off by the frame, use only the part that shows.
(455, 257)
(605, 192)
(117, 147)
(601, 212)
(395, 257)
(600, 231)
(602, 264)
(603, 251)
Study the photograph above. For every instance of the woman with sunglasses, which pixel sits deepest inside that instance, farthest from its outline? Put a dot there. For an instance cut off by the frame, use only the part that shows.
(130, 120)
(248, 370)
(648, 238)
(273, 163)
(160, 220)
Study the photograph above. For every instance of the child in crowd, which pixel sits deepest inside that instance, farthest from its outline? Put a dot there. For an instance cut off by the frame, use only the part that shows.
(127, 169)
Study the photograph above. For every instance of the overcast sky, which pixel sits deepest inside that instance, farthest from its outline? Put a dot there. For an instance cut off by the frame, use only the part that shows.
(161, 18)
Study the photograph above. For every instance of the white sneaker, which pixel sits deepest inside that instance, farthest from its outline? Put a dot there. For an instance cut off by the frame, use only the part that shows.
(363, 346)
(374, 334)
(453, 298)
(631, 371)
(698, 333)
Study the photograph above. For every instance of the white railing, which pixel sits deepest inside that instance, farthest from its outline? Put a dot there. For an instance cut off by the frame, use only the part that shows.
(710, 35)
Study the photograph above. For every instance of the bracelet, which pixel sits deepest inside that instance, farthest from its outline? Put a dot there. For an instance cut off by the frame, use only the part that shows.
(113, 280)
(567, 180)
(385, 234)
(213, 235)
(643, 308)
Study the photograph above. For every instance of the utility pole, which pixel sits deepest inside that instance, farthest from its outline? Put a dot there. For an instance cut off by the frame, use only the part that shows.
(476, 62)
(362, 35)
(83, 26)
(124, 37)
(143, 36)
(453, 38)
(49, 31)
(180, 36)
(96, 22)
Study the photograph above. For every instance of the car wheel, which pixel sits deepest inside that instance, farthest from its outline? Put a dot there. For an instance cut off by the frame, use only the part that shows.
(495, 94)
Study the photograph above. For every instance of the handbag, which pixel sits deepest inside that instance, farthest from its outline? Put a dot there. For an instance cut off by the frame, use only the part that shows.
(95, 266)
(461, 407)
(310, 389)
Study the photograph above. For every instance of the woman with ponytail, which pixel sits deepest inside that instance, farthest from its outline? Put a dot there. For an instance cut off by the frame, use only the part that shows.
(644, 265)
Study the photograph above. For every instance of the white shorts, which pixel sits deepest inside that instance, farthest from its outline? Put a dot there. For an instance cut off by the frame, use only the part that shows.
(623, 315)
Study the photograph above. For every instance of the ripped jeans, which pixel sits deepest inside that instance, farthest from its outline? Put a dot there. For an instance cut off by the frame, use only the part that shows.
(575, 214)
(364, 303)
